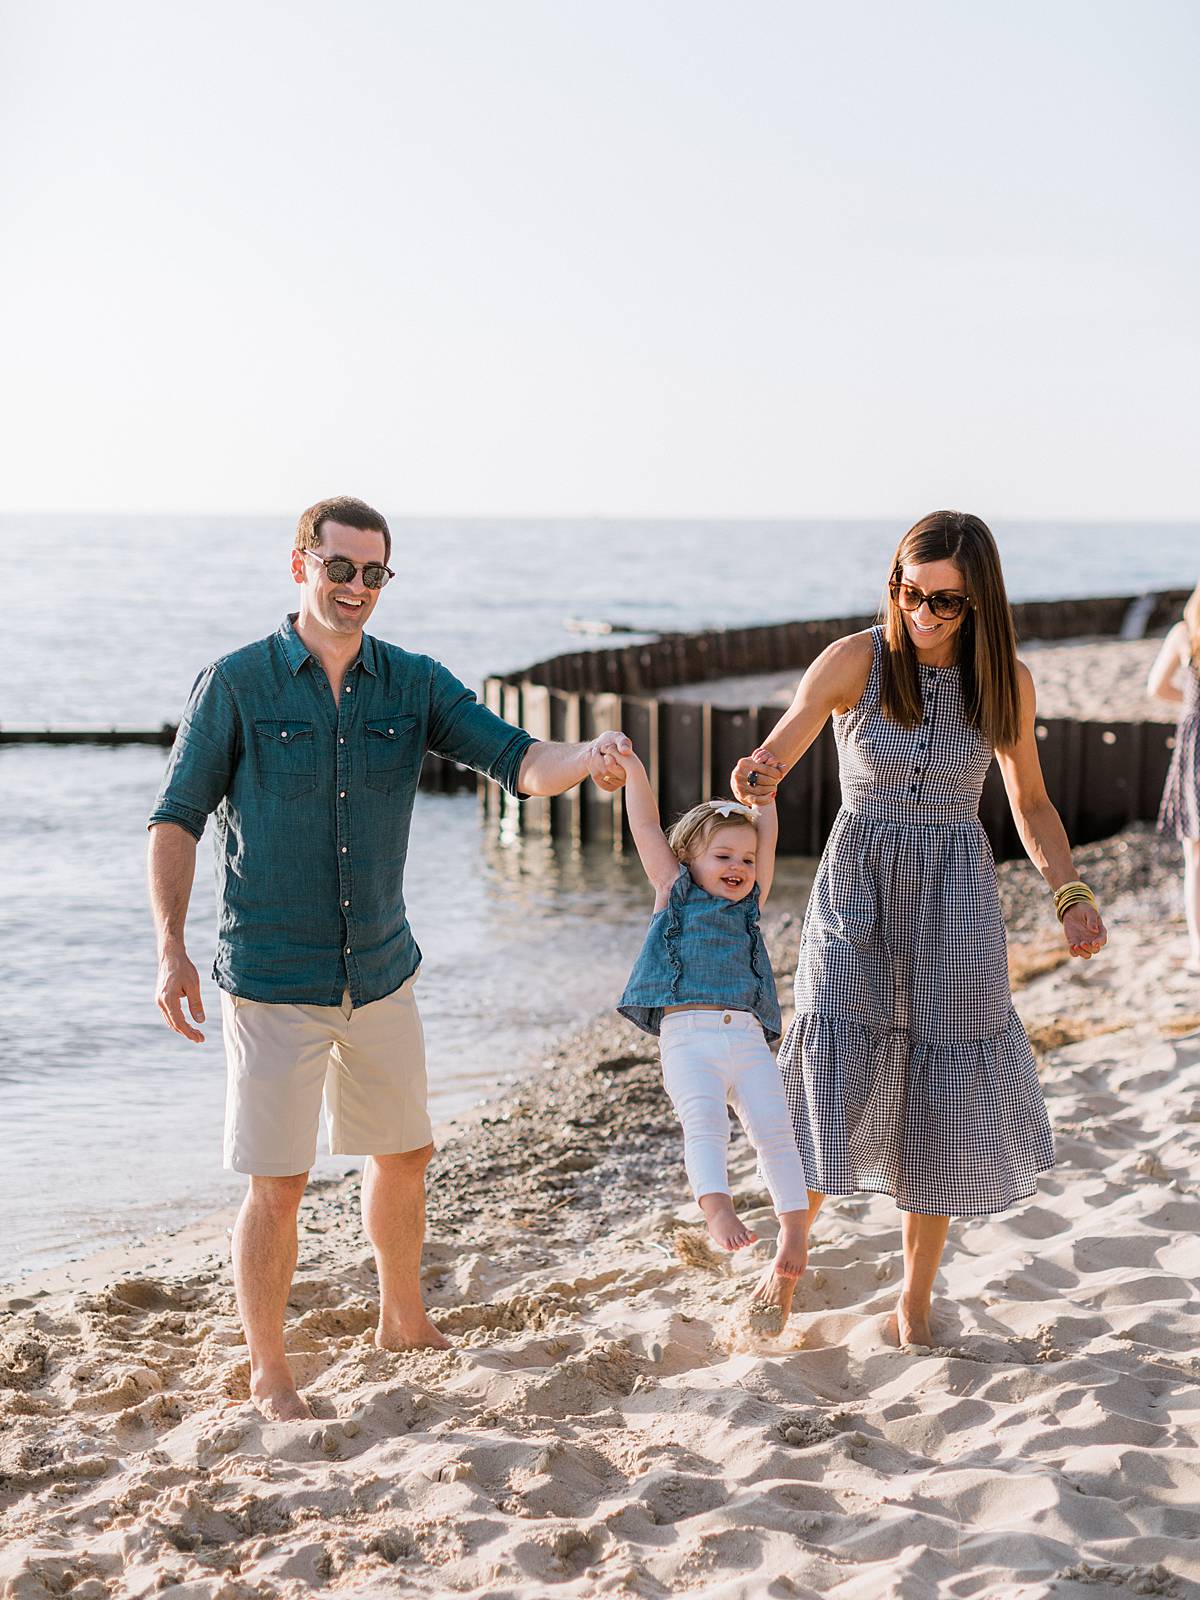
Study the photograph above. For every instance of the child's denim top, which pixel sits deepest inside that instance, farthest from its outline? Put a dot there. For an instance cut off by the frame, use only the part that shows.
(702, 950)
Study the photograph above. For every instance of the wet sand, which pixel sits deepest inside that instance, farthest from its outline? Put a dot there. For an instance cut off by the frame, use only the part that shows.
(606, 1423)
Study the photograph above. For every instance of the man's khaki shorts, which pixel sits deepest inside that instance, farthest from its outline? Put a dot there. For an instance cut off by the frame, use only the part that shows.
(368, 1063)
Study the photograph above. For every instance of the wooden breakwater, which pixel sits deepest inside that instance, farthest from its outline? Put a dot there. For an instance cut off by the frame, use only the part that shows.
(1101, 775)
(438, 774)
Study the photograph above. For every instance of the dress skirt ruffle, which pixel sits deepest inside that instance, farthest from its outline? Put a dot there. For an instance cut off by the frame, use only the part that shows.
(946, 1130)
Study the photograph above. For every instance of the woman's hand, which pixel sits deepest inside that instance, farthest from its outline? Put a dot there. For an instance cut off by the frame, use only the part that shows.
(756, 777)
(1084, 930)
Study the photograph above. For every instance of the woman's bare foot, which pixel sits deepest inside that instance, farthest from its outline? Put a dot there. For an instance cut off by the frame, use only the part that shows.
(909, 1325)
(725, 1227)
(771, 1302)
(276, 1398)
(414, 1334)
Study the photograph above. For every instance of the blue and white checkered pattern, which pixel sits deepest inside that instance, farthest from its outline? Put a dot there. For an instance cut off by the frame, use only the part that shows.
(1180, 810)
(907, 1069)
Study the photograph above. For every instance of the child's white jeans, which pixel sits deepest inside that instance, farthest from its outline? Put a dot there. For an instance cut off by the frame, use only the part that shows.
(715, 1059)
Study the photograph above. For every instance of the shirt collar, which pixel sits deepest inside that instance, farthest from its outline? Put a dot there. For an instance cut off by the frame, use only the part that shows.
(296, 652)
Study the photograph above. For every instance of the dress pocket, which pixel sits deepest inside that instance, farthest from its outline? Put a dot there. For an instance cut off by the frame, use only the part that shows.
(393, 758)
(286, 757)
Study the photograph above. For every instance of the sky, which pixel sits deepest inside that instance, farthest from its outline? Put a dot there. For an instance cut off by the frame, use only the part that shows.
(601, 257)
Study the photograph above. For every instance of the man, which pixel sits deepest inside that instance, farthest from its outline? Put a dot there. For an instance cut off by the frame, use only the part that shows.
(308, 746)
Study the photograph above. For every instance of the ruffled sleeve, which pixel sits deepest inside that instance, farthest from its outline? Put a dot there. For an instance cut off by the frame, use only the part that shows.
(673, 926)
(758, 949)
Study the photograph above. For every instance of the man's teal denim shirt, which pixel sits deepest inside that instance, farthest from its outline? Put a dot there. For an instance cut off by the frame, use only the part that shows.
(313, 804)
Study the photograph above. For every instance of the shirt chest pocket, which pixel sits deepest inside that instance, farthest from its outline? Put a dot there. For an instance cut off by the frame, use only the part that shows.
(393, 755)
(286, 757)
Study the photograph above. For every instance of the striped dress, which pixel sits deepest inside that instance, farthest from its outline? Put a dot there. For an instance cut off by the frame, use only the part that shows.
(906, 1068)
(1180, 810)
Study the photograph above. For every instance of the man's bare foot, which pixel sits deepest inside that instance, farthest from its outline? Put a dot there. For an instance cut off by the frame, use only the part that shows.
(415, 1334)
(771, 1302)
(276, 1398)
(906, 1326)
(725, 1227)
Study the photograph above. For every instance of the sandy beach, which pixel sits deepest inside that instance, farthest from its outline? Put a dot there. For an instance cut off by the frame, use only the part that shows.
(1095, 678)
(605, 1422)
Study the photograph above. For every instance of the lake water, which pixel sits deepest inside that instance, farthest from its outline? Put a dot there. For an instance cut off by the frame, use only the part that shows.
(113, 1123)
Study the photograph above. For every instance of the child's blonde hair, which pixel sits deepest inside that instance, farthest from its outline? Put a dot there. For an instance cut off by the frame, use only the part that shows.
(695, 828)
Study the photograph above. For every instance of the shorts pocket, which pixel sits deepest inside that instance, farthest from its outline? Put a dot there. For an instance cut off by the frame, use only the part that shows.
(393, 758)
(286, 757)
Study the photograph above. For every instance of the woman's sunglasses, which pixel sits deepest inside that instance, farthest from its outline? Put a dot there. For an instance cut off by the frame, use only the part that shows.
(945, 604)
(340, 569)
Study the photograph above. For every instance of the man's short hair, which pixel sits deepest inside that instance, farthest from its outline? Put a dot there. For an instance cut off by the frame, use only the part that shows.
(341, 508)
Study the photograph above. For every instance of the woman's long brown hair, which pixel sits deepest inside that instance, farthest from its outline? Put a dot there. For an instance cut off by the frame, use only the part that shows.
(1191, 618)
(987, 641)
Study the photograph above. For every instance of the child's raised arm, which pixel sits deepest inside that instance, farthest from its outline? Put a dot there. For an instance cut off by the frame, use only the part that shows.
(657, 857)
(767, 828)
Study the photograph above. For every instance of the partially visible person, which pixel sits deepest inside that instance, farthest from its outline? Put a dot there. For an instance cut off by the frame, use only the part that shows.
(703, 984)
(906, 1067)
(307, 746)
(1175, 677)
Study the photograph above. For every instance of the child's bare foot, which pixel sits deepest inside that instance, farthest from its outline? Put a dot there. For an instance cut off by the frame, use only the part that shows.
(909, 1325)
(771, 1302)
(725, 1227)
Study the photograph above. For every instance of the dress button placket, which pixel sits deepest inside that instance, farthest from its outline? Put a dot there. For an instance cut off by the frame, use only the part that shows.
(921, 759)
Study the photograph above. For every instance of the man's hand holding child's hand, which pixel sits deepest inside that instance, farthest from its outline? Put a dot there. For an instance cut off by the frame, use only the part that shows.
(604, 767)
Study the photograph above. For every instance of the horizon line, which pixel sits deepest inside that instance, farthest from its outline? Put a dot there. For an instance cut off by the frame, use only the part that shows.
(1175, 518)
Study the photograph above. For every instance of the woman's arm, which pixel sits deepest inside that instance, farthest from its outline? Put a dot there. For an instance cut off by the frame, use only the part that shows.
(767, 829)
(834, 682)
(1040, 826)
(659, 860)
(1164, 680)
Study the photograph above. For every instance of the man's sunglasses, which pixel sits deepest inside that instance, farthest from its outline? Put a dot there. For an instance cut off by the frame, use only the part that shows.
(944, 603)
(340, 569)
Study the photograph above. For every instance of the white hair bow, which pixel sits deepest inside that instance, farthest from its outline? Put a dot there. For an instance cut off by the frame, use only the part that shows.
(724, 807)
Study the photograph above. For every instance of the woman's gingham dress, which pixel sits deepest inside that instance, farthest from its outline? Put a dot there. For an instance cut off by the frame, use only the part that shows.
(1180, 810)
(906, 1068)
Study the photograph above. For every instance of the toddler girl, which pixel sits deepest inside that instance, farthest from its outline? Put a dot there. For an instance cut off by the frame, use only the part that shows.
(703, 984)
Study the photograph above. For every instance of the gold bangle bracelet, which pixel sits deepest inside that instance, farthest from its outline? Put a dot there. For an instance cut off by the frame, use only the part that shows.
(1064, 906)
(1076, 884)
(1074, 891)
(1070, 891)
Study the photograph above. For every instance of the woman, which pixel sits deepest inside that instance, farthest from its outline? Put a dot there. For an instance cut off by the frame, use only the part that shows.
(907, 1070)
(1175, 676)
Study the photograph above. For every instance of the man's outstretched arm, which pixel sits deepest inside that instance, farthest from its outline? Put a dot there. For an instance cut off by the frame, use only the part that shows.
(171, 862)
(549, 768)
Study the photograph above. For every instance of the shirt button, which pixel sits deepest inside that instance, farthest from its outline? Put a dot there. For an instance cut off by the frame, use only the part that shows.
(341, 741)
(727, 1018)
(391, 730)
(345, 902)
(348, 688)
(347, 949)
(341, 794)
(343, 849)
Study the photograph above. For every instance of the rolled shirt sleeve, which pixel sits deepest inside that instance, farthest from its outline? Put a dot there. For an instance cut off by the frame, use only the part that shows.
(202, 758)
(460, 729)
